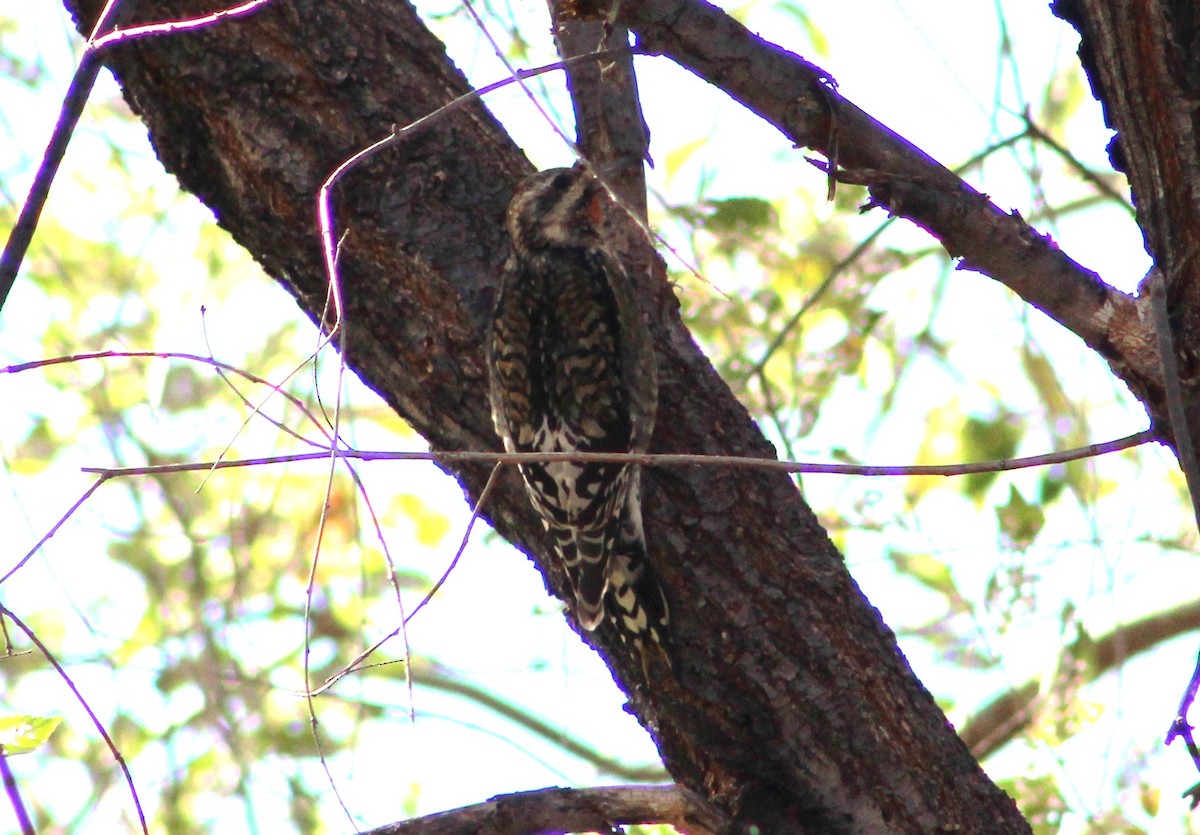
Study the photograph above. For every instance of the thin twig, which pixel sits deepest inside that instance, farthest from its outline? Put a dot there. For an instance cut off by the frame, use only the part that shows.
(14, 795)
(1087, 174)
(277, 388)
(31, 211)
(659, 460)
(487, 489)
(258, 410)
(57, 525)
(117, 35)
(516, 76)
(392, 578)
(74, 101)
(332, 457)
(357, 663)
(220, 367)
(108, 741)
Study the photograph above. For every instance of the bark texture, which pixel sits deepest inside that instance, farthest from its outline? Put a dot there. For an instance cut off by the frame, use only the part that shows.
(791, 708)
(1143, 60)
(576, 810)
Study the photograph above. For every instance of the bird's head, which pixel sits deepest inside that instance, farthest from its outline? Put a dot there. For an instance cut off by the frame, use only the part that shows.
(560, 207)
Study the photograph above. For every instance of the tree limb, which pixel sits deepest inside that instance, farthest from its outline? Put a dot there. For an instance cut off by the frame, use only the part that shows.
(611, 131)
(1011, 713)
(570, 810)
(801, 100)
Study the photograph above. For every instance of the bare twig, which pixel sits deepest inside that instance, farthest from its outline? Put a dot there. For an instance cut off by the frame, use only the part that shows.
(518, 77)
(332, 456)
(1086, 174)
(72, 108)
(57, 525)
(357, 663)
(68, 117)
(276, 388)
(659, 460)
(117, 35)
(13, 792)
(487, 489)
(62, 673)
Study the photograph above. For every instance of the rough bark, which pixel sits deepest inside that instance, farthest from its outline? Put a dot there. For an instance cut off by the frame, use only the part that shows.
(1143, 60)
(610, 130)
(791, 707)
(558, 810)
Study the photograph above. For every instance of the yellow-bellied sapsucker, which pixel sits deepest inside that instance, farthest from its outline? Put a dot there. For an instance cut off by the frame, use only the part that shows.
(572, 370)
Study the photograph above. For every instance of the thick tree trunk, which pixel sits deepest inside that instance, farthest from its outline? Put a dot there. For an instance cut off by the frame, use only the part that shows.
(791, 706)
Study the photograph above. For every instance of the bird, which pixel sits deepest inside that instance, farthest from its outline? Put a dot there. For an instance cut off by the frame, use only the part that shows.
(572, 369)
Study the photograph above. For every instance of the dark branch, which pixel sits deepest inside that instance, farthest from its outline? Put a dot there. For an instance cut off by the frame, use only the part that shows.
(1007, 716)
(610, 129)
(802, 101)
(570, 810)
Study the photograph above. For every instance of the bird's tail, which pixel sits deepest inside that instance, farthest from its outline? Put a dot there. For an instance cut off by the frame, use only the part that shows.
(635, 602)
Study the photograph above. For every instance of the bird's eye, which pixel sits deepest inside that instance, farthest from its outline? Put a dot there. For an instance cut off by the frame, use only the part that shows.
(562, 181)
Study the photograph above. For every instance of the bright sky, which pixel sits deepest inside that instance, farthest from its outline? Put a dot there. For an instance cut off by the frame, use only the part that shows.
(929, 71)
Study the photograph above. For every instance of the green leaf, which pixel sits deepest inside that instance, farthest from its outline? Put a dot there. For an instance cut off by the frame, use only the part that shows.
(740, 214)
(677, 158)
(988, 440)
(1150, 798)
(21, 733)
(816, 37)
(1020, 521)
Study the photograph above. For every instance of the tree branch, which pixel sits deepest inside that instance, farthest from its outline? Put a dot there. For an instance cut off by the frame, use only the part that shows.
(610, 128)
(570, 810)
(801, 100)
(431, 674)
(1011, 713)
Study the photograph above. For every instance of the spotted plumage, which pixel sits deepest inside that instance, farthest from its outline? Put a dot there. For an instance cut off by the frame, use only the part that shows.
(572, 370)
